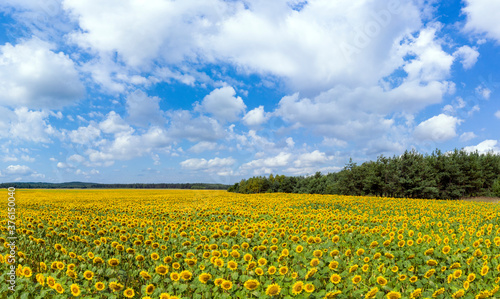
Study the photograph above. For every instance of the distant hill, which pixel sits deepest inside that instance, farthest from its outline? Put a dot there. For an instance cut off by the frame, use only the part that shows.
(85, 185)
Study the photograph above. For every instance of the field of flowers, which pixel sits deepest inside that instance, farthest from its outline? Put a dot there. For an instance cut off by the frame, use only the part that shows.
(214, 244)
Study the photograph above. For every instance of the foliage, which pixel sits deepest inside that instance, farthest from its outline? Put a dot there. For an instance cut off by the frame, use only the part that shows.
(83, 185)
(214, 244)
(450, 175)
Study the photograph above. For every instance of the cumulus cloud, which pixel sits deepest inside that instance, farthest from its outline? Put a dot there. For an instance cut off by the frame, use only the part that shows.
(467, 55)
(183, 125)
(28, 125)
(483, 91)
(34, 76)
(437, 128)
(18, 170)
(222, 104)
(84, 135)
(143, 110)
(114, 124)
(280, 160)
(485, 147)
(311, 159)
(467, 136)
(482, 17)
(207, 165)
(256, 117)
(203, 146)
(497, 114)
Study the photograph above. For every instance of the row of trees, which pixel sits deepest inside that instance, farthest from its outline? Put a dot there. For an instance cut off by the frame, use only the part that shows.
(440, 175)
(84, 185)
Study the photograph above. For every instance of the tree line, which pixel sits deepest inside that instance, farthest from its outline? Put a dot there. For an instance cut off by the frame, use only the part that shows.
(450, 175)
(83, 185)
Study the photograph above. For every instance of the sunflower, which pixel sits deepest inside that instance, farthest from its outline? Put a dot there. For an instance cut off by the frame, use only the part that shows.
(75, 290)
(458, 294)
(471, 277)
(393, 295)
(484, 270)
(298, 249)
(150, 289)
(297, 288)
(438, 292)
(356, 279)
(251, 284)
(309, 288)
(218, 281)
(429, 273)
(353, 268)
(60, 265)
(51, 282)
(226, 285)
(259, 271)
(58, 287)
(115, 286)
(71, 274)
(365, 267)
(271, 270)
(402, 277)
(140, 258)
(88, 275)
(204, 277)
(416, 293)
(186, 275)
(311, 272)
(446, 249)
(247, 257)
(283, 270)
(457, 273)
(372, 293)
(155, 256)
(413, 279)
(98, 260)
(335, 278)
(99, 286)
(113, 262)
(273, 289)
(333, 265)
(129, 293)
(381, 281)
(262, 261)
(432, 263)
(175, 276)
(145, 275)
(232, 265)
(466, 285)
(161, 269)
(27, 272)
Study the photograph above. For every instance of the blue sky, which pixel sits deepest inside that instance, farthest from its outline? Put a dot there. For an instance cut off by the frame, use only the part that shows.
(213, 91)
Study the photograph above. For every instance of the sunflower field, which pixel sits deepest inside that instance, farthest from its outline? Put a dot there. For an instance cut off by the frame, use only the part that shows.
(214, 244)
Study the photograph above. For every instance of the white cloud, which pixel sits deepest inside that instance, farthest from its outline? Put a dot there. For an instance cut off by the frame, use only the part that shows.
(203, 146)
(485, 147)
(311, 159)
(280, 160)
(33, 76)
(437, 128)
(223, 104)
(76, 159)
(483, 91)
(18, 170)
(467, 136)
(31, 125)
(467, 55)
(143, 110)
(497, 114)
(207, 165)
(84, 135)
(334, 142)
(184, 126)
(289, 142)
(114, 124)
(127, 146)
(482, 17)
(256, 117)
